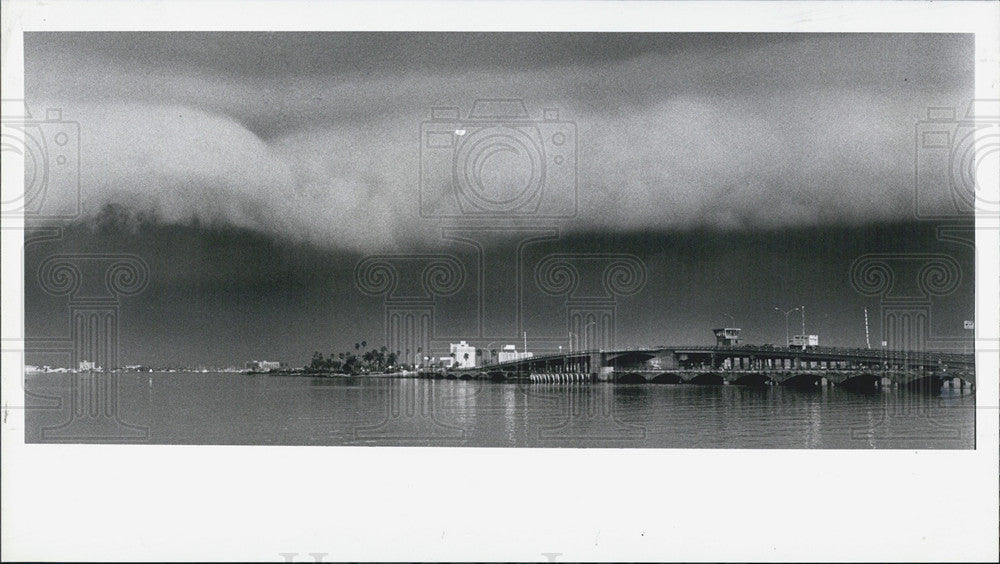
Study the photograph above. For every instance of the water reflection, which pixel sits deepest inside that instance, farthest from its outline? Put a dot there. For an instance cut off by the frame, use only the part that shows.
(239, 409)
(589, 413)
(510, 409)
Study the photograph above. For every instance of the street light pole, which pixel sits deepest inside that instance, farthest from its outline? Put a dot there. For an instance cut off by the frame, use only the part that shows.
(586, 331)
(804, 338)
(787, 313)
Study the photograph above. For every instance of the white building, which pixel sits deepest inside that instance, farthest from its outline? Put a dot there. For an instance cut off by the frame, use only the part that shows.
(804, 340)
(86, 366)
(510, 353)
(262, 365)
(464, 355)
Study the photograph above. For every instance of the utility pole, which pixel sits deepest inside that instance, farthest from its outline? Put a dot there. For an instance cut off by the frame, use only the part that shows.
(586, 333)
(788, 341)
(804, 339)
(868, 343)
(490, 344)
(525, 341)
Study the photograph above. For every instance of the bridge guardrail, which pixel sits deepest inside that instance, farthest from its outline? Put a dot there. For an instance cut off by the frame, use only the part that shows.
(847, 352)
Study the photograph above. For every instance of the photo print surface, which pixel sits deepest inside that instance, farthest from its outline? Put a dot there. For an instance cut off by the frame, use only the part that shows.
(664, 240)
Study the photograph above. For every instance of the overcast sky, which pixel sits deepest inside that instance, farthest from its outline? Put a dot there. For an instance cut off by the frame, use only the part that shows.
(746, 170)
(317, 136)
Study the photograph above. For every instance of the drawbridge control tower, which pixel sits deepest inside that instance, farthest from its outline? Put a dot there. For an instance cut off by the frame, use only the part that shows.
(727, 337)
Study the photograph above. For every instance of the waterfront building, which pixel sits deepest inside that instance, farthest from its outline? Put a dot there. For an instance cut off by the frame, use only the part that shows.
(804, 341)
(464, 355)
(510, 353)
(262, 365)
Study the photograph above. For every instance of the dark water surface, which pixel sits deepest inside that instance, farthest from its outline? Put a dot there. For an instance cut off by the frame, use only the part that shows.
(239, 409)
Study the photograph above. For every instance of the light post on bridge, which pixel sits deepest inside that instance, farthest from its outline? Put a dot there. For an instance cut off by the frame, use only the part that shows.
(586, 332)
(786, 313)
(488, 345)
(802, 311)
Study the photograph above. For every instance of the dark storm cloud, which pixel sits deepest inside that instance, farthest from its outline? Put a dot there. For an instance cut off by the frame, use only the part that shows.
(316, 136)
(219, 295)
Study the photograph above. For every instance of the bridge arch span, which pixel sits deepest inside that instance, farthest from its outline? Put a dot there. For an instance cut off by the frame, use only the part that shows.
(754, 379)
(707, 379)
(631, 378)
(863, 382)
(803, 381)
(667, 378)
(932, 383)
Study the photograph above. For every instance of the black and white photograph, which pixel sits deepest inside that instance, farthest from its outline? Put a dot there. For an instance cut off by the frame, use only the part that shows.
(519, 248)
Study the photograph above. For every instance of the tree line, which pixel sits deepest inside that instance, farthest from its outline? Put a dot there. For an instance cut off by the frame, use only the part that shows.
(358, 361)
(379, 360)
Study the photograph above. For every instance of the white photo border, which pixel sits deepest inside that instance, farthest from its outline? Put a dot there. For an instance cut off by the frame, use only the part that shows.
(89, 502)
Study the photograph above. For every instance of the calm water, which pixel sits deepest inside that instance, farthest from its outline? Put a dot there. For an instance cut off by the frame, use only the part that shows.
(238, 409)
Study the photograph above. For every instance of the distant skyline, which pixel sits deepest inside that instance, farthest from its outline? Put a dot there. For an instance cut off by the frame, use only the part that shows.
(253, 172)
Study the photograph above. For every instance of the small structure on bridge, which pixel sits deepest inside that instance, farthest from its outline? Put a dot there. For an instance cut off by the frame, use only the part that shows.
(804, 341)
(509, 353)
(727, 337)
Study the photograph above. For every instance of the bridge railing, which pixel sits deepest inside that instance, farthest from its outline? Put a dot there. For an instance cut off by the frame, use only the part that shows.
(846, 353)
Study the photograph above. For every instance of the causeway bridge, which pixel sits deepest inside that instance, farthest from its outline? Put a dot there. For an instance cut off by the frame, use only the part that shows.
(739, 365)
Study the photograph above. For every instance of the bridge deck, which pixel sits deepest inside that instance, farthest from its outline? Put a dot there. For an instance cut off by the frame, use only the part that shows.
(762, 358)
